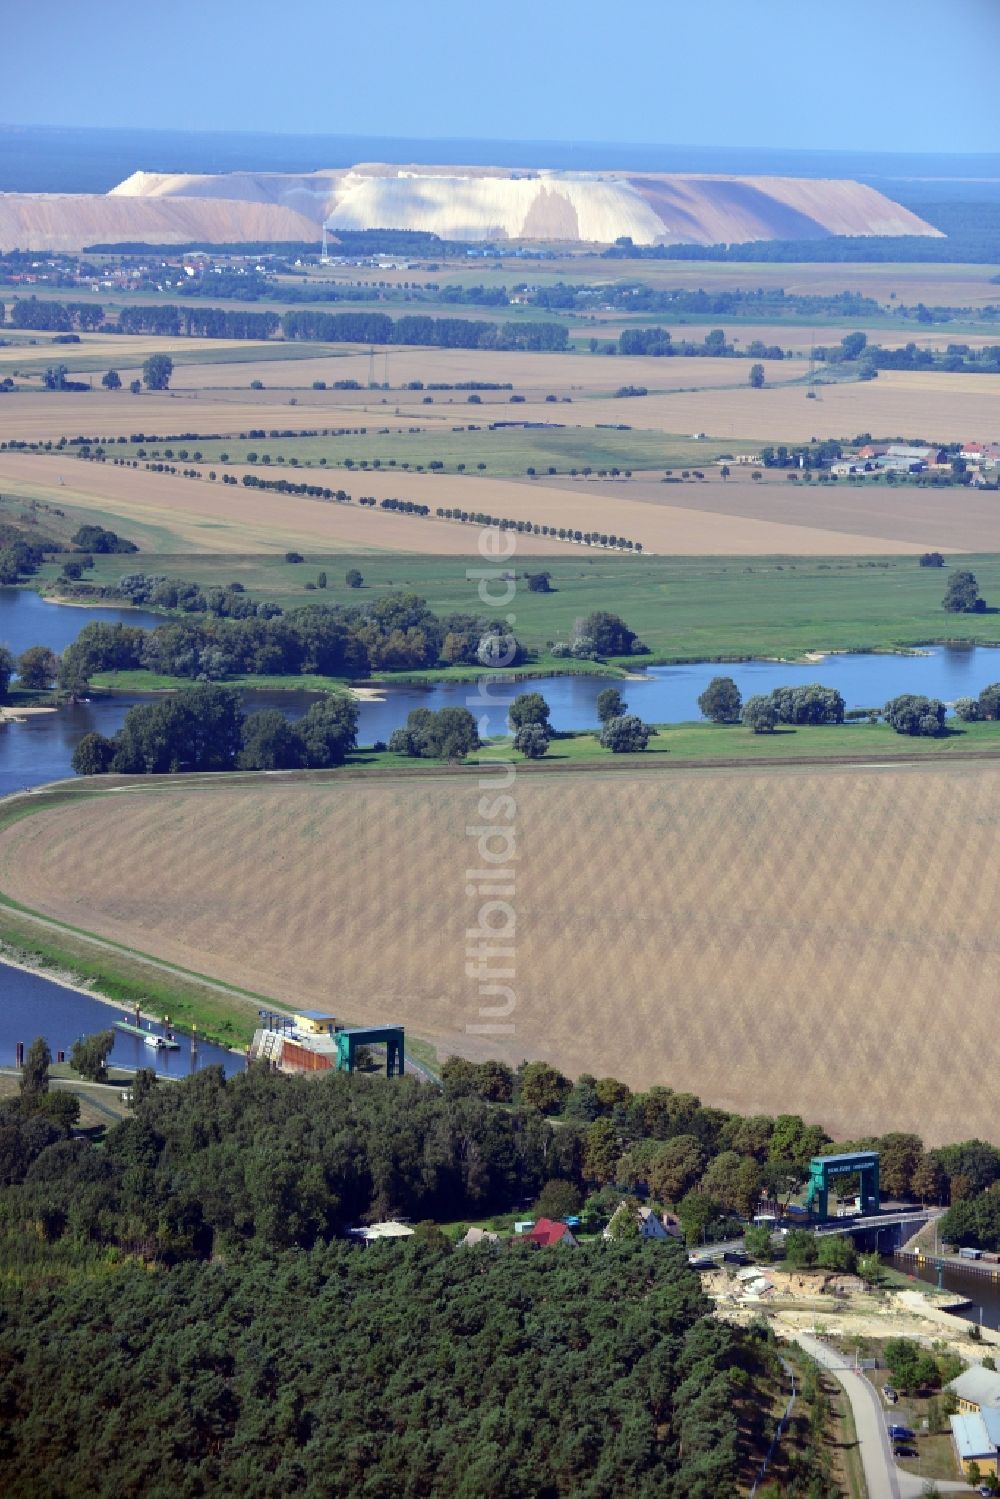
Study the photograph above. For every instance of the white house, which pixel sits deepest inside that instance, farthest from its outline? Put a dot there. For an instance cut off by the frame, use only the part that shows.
(649, 1225)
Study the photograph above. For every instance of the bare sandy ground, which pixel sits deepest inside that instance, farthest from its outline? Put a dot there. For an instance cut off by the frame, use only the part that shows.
(821, 942)
(227, 518)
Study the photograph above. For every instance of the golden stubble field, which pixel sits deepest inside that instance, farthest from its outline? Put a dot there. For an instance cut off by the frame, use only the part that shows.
(686, 396)
(821, 942)
(188, 513)
(934, 284)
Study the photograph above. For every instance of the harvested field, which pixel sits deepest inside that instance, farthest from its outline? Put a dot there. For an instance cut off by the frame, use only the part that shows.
(532, 375)
(909, 283)
(686, 396)
(178, 514)
(36, 416)
(197, 514)
(933, 405)
(962, 520)
(815, 941)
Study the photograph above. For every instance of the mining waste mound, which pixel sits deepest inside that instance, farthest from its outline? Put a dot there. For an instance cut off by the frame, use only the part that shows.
(463, 203)
(72, 221)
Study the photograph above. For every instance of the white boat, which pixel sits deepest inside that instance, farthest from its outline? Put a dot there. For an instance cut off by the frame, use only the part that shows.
(161, 1043)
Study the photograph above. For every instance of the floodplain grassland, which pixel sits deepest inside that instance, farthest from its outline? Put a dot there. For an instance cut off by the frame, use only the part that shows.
(767, 938)
(685, 609)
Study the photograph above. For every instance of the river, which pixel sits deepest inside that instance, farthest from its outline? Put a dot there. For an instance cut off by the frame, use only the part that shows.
(31, 1005)
(40, 749)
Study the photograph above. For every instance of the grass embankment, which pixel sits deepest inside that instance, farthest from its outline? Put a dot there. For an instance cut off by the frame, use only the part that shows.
(222, 1013)
(130, 978)
(685, 609)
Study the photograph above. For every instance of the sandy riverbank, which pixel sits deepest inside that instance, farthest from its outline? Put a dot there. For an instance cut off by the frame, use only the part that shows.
(12, 715)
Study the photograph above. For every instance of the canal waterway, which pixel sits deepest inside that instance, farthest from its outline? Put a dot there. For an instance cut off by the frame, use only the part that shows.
(982, 1290)
(32, 1005)
(40, 749)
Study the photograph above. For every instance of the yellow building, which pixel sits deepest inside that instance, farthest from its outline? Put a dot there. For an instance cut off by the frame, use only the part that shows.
(976, 1389)
(314, 1022)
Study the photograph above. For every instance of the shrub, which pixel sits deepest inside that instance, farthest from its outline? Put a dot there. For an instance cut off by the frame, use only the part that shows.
(532, 740)
(962, 594)
(721, 701)
(528, 708)
(912, 714)
(760, 714)
(610, 704)
(626, 735)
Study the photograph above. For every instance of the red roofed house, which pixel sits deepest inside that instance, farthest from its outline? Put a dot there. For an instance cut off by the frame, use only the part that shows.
(546, 1233)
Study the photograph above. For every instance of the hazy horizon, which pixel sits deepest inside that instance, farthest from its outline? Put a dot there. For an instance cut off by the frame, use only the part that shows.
(853, 77)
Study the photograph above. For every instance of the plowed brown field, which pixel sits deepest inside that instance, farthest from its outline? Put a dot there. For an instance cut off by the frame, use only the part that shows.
(816, 941)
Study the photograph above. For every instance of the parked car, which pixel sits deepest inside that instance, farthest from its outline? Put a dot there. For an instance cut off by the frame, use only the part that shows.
(900, 1449)
(901, 1433)
(890, 1394)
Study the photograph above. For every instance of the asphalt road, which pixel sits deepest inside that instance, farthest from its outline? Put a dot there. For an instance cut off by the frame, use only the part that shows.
(883, 1478)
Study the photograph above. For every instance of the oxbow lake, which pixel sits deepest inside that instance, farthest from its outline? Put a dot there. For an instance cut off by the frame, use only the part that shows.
(32, 1005)
(41, 748)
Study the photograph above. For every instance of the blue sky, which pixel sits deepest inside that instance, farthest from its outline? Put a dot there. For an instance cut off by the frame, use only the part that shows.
(851, 74)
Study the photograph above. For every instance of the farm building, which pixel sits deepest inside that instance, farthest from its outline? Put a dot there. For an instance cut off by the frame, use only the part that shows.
(845, 468)
(977, 1439)
(976, 1389)
(984, 455)
(904, 452)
